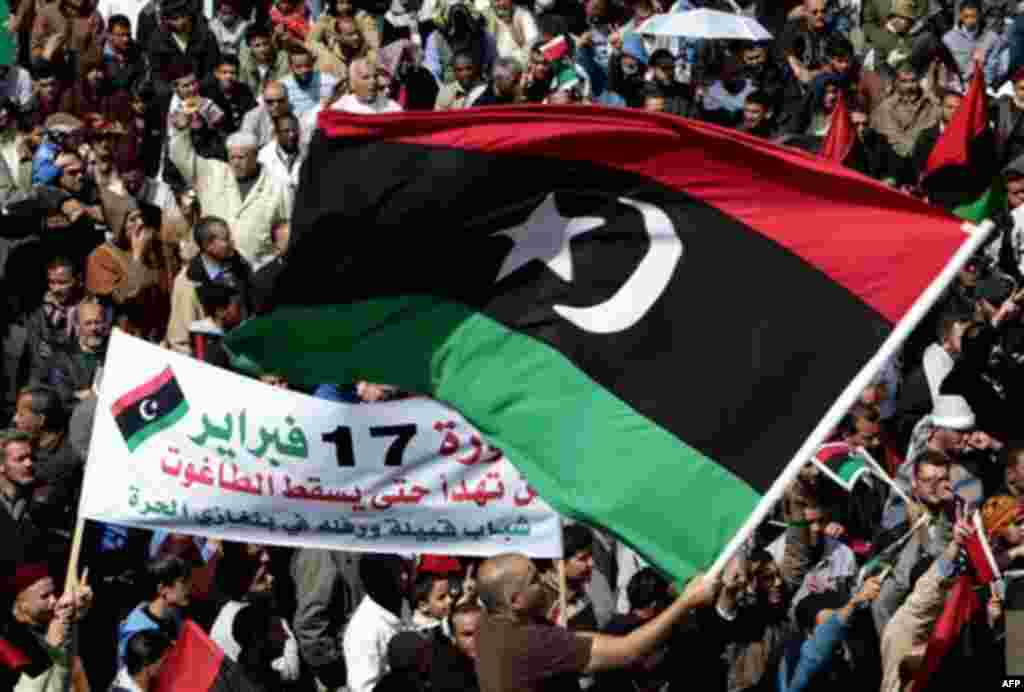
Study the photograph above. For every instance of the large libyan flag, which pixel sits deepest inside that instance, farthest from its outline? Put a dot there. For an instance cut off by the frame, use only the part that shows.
(648, 314)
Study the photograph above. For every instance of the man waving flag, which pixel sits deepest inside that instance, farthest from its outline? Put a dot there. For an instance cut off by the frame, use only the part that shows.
(649, 315)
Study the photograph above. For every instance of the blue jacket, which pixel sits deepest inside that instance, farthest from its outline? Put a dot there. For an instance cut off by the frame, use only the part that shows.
(815, 655)
(138, 620)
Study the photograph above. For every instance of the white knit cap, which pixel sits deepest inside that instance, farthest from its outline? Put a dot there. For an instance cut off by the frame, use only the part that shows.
(952, 411)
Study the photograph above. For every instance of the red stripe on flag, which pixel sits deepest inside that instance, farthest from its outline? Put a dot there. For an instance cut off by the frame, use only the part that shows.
(961, 605)
(142, 391)
(800, 201)
(193, 663)
(979, 561)
(968, 123)
(12, 657)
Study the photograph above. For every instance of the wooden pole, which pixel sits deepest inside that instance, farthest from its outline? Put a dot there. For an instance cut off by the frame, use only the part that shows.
(563, 589)
(71, 578)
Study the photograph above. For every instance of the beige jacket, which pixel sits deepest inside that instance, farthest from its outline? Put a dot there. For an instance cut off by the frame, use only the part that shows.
(901, 123)
(267, 203)
(185, 309)
(905, 638)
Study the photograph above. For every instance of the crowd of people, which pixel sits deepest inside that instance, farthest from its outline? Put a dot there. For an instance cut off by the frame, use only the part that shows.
(149, 158)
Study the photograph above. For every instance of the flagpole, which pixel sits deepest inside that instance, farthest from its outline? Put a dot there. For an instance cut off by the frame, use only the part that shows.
(917, 311)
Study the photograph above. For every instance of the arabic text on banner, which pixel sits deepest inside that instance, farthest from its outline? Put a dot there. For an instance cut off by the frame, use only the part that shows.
(183, 446)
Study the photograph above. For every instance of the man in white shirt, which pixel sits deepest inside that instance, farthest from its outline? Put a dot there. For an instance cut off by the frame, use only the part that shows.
(365, 97)
(282, 157)
(940, 356)
(386, 580)
(307, 86)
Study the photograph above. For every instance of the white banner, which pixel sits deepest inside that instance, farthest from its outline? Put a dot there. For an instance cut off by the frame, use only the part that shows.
(183, 446)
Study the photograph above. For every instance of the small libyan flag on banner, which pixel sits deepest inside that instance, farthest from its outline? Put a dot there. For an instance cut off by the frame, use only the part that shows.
(149, 408)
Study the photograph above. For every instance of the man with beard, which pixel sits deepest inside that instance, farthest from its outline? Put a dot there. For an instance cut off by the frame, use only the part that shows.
(74, 372)
(905, 114)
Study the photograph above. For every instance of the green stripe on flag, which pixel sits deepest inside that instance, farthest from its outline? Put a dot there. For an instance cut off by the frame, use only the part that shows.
(590, 455)
(989, 203)
(851, 468)
(161, 423)
(7, 44)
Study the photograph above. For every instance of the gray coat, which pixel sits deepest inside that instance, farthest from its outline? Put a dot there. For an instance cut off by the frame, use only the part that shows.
(327, 591)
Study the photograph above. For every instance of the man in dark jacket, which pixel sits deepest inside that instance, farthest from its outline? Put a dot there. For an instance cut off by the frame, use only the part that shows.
(126, 63)
(679, 99)
(327, 591)
(222, 305)
(181, 24)
(231, 96)
(74, 372)
(20, 518)
(49, 327)
(40, 413)
(453, 663)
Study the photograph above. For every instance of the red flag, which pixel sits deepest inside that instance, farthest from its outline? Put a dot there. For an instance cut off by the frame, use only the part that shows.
(196, 664)
(962, 604)
(968, 123)
(841, 134)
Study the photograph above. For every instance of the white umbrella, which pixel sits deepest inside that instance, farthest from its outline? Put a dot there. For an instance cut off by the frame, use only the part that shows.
(703, 23)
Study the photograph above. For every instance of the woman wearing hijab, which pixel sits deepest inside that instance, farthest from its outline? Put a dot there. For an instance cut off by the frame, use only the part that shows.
(129, 270)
